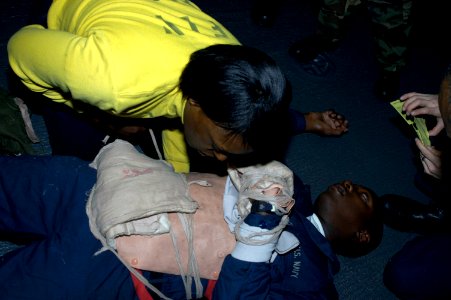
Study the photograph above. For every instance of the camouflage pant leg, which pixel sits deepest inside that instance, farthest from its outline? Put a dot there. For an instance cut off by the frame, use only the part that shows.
(331, 17)
(391, 21)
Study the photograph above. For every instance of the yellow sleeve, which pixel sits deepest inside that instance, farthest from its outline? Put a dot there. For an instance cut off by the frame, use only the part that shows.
(174, 148)
(37, 56)
(62, 65)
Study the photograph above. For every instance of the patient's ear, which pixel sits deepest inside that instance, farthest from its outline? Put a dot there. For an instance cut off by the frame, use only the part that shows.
(363, 236)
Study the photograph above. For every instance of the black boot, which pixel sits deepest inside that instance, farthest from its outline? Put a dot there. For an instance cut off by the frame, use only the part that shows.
(311, 53)
(307, 49)
(405, 214)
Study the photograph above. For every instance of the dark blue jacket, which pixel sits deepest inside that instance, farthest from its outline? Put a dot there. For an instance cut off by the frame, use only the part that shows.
(305, 273)
(42, 201)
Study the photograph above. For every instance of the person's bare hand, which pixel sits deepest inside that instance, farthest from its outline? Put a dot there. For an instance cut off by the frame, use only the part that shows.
(327, 122)
(431, 159)
(416, 104)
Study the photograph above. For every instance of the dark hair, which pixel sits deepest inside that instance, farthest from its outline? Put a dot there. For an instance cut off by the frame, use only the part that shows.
(374, 225)
(242, 90)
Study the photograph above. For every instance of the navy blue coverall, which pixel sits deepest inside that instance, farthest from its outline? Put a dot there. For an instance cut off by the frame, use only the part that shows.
(42, 206)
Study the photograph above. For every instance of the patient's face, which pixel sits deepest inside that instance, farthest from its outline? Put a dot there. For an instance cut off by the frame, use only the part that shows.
(346, 206)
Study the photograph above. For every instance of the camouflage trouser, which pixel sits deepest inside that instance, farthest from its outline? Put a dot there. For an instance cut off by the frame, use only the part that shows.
(391, 20)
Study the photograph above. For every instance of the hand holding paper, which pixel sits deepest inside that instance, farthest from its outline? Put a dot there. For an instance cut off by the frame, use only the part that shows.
(418, 123)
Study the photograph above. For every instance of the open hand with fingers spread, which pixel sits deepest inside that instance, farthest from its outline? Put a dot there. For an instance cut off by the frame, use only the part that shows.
(327, 122)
